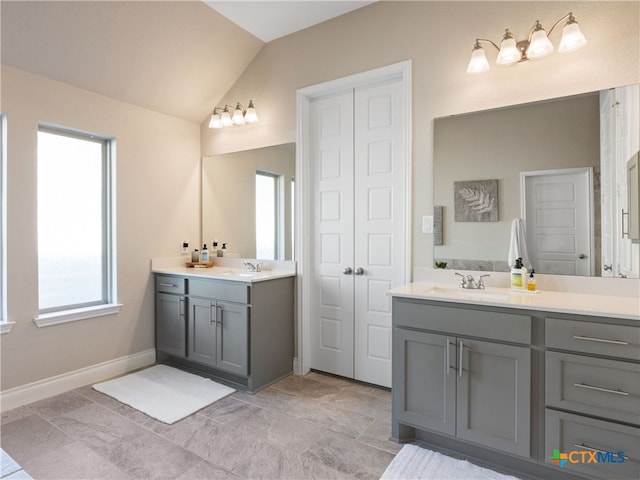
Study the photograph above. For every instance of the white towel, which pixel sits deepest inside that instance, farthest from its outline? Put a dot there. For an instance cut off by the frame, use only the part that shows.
(518, 244)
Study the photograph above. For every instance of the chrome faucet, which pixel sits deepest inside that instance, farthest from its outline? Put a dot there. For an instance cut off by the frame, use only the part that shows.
(253, 267)
(470, 283)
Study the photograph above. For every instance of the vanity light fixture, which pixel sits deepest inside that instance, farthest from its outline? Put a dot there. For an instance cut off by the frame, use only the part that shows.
(536, 46)
(222, 116)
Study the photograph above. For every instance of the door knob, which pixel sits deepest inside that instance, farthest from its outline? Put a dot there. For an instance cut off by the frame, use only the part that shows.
(582, 256)
(359, 271)
(347, 271)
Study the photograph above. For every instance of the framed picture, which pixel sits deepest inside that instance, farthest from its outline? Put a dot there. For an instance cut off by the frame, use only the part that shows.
(476, 201)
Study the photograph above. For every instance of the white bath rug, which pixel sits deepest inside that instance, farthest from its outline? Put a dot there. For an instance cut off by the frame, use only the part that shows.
(164, 393)
(415, 463)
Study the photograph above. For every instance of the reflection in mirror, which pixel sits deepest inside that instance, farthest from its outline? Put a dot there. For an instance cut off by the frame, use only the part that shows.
(247, 202)
(529, 148)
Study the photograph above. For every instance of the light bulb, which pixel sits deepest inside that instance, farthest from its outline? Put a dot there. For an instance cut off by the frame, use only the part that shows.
(238, 116)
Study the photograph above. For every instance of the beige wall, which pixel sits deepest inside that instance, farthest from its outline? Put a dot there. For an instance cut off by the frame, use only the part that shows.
(438, 38)
(157, 192)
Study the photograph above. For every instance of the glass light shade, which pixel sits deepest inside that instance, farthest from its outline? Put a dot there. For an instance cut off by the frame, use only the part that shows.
(509, 53)
(250, 116)
(238, 116)
(572, 38)
(215, 121)
(225, 119)
(540, 45)
(478, 62)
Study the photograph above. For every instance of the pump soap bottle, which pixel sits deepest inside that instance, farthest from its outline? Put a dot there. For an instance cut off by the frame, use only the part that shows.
(204, 255)
(531, 282)
(517, 279)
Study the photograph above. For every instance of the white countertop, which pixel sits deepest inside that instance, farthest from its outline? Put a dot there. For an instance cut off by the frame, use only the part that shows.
(225, 273)
(561, 302)
(225, 269)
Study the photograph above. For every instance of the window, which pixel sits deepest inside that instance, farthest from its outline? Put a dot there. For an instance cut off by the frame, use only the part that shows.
(75, 226)
(268, 216)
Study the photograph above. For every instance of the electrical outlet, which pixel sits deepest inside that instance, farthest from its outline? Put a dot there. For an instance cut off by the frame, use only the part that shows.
(185, 247)
(427, 224)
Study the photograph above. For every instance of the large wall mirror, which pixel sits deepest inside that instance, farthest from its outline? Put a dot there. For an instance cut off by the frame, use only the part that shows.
(559, 165)
(247, 202)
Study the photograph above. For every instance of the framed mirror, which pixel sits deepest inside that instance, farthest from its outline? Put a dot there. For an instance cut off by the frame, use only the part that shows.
(595, 131)
(247, 202)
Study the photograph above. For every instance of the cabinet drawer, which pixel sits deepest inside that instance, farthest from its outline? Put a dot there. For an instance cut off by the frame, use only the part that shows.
(595, 386)
(169, 284)
(219, 290)
(459, 321)
(598, 338)
(572, 434)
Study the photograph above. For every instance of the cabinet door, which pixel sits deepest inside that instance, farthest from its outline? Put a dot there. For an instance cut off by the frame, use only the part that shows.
(494, 395)
(424, 380)
(202, 331)
(170, 324)
(232, 339)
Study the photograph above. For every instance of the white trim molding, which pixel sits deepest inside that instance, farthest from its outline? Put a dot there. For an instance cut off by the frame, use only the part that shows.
(5, 327)
(48, 387)
(66, 316)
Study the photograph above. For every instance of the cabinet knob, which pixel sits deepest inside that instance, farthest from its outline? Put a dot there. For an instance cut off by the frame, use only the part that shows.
(359, 271)
(347, 271)
(582, 256)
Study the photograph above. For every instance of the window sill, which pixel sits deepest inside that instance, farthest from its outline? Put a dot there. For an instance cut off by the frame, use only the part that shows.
(5, 327)
(66, 316)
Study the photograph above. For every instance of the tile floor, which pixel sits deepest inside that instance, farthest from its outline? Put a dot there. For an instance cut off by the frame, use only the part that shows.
(316, 426)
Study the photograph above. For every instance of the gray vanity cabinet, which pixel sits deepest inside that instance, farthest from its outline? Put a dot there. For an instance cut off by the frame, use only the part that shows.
(448, 381)
(240, 333)
(171, 326)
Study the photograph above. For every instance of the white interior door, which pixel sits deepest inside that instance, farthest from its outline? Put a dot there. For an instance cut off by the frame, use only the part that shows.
(358, 230)
(331, 161)
(379, 224)
(557, 211)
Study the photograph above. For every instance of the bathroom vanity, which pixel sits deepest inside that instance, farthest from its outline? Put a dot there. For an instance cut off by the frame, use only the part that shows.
(226, 323)
(512, 380)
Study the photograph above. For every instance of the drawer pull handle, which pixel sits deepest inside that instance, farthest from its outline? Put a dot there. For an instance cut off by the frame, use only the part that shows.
(591, 449)
(167, 285)
(600, 389)
(602, 340)
(461, 358)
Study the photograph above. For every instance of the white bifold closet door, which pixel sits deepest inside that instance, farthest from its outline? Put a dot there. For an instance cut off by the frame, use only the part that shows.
(357, 142)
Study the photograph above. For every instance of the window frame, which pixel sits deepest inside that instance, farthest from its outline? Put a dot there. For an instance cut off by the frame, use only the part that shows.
(5, 324)
(108, 304)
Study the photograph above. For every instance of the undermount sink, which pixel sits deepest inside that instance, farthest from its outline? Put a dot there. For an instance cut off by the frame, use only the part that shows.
(469, 294)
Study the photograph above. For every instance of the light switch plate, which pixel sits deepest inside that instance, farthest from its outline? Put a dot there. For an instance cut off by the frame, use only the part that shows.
(427, 224)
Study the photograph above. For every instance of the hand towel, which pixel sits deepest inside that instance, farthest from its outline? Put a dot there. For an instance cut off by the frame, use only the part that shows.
(518, 244)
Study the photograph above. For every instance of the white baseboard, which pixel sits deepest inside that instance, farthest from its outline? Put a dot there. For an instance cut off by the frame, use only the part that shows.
(31, 392)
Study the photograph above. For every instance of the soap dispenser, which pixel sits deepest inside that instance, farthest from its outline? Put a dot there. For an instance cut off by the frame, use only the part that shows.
(531, 282)
(517, 279)
(204, 255)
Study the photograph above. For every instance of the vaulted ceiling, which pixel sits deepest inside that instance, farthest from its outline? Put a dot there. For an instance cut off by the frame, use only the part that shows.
(174, 57)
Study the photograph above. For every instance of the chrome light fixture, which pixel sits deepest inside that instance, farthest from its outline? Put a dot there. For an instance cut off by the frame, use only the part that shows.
(223, 116)
(536, 46)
